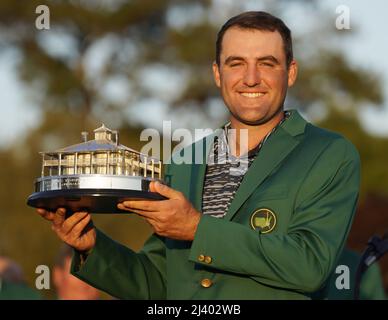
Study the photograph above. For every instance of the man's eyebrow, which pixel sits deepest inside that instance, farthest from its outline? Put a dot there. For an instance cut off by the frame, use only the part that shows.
(269, 58)
(233, 58)
(260, 59)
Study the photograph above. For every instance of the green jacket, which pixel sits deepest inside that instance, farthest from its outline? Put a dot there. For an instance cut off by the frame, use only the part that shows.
(305, 179)
(17, 291)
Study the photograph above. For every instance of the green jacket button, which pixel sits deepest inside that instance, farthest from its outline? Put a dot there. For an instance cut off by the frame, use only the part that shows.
(206, 283)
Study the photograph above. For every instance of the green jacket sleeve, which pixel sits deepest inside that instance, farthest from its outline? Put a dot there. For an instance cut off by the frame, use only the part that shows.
(372, 284)
(302, 258)
(123, 273)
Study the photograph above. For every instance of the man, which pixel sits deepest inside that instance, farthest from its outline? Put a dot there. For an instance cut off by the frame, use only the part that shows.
(273, 231)
(67, 286)
(12, 282)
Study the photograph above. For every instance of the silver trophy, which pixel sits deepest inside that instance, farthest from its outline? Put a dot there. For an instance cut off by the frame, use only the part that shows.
(95, 175)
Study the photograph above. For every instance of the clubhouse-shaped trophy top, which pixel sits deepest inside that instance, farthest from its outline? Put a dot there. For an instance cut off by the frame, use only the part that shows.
(103, 155)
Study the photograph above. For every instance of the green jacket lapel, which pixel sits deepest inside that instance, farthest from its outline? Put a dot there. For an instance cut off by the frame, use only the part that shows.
(278, 146)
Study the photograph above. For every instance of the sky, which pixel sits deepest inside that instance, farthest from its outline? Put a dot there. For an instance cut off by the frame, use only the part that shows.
(368, 48)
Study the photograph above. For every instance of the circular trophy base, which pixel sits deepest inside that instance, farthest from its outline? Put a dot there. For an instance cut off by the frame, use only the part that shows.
(91, 200)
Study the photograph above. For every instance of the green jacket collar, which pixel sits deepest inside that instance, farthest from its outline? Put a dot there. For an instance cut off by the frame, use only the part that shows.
(295, 124)
(278, 146)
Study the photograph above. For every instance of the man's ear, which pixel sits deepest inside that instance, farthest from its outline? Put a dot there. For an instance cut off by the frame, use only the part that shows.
(216, 74)
(292, 73)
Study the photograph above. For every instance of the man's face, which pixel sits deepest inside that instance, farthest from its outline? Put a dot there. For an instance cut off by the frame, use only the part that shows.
(253, 75)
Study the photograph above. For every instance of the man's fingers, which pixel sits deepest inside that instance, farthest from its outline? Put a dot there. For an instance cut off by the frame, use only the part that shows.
(145, 214)
(143, 205)
(152, 186)
(164, 190)
(122, 207)
(72, 221)
(80, 226)
(46, 214)
(59, 216)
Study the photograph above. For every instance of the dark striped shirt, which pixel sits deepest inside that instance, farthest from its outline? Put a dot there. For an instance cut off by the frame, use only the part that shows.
(224, 172)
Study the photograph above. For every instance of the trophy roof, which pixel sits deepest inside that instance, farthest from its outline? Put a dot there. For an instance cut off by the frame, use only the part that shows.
(103, 128)
(95, 145)
(105, 140)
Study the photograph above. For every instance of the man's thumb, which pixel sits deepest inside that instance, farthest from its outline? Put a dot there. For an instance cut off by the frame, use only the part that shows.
(164, 190)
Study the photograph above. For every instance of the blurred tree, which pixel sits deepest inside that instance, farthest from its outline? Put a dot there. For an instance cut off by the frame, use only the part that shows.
(100, 57)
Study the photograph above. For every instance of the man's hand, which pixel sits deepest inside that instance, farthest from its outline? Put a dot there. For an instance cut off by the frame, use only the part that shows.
(75, 230)
(174, 218)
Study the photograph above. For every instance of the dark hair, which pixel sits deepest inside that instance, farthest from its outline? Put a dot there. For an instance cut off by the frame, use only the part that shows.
(258, 20)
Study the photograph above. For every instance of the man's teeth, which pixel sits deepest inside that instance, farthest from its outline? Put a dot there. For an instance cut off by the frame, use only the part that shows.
(252, 94)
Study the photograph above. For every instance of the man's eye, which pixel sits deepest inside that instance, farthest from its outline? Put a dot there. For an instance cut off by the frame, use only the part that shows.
(266, 64)
(236, 64)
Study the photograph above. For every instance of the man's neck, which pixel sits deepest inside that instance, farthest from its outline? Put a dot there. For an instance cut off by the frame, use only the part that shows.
(255, 133)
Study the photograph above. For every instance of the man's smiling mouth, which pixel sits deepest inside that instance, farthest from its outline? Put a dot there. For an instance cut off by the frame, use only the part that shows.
(252, 94)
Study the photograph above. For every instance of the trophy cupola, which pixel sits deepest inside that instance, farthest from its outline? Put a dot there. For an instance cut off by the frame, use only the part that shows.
(103, 133)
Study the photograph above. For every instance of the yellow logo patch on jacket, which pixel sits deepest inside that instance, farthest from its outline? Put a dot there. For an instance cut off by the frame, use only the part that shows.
(264, 220)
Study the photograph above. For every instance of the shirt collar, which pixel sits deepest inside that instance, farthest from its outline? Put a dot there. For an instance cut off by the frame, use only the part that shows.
(252, 152)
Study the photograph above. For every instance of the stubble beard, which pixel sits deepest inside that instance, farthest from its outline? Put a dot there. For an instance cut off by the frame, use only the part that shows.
(257, 122)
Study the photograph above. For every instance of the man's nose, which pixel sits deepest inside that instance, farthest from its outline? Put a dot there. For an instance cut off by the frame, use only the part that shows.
(252, 76)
